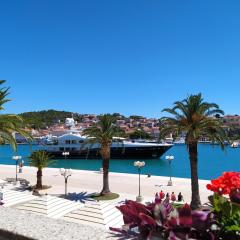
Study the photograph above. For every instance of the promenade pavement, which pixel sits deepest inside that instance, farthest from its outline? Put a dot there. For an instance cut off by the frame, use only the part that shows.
(84, 182)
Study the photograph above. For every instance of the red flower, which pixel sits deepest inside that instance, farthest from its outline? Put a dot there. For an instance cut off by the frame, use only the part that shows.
(225, 183)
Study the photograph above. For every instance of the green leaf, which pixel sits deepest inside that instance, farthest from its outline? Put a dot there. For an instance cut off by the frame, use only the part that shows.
(226, 209)
(235, 208)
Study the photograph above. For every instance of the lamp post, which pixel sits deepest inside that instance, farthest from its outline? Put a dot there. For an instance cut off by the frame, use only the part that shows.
(170, 159)
(16, 158)
(66, 173)
(139, 165)
(65, 154)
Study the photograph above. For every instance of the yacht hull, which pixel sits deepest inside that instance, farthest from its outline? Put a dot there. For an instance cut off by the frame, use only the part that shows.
(149, 152)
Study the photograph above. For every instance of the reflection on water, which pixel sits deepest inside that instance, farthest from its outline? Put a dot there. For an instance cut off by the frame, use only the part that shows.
(212, 161)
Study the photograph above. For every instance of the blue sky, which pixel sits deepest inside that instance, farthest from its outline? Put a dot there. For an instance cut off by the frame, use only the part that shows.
(127, 56)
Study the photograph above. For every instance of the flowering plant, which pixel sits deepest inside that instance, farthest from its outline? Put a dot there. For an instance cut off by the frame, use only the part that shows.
(226, 210)
(226, 183)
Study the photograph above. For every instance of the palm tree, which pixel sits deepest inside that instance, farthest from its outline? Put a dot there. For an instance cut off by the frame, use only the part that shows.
(195, 118)
(9, 123)
(103, 133)
(40, 159)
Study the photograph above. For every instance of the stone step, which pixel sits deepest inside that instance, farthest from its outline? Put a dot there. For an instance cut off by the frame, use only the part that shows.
(50, 206)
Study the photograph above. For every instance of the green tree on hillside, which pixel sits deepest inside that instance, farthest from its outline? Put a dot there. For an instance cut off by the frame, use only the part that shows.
(46, 118)
(140, 134)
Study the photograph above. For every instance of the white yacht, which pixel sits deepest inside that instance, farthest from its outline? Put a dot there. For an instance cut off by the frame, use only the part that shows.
(78, 146)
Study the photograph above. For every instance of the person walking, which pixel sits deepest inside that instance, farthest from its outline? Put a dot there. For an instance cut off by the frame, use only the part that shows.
(1, 199)
(20, 167)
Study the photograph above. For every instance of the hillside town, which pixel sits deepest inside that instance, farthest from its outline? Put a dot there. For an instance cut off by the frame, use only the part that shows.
(129, 125)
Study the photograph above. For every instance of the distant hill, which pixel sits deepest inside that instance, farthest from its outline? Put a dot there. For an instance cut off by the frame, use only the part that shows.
(46, 118)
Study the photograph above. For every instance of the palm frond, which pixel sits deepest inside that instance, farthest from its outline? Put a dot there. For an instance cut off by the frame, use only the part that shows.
(40, 159)
(103, 131)
(194, 117)
(10, 123)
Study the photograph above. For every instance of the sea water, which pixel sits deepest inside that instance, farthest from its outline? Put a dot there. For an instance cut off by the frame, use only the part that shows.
(212, 161)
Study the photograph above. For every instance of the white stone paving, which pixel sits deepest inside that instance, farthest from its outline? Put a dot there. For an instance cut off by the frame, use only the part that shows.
(44, 228)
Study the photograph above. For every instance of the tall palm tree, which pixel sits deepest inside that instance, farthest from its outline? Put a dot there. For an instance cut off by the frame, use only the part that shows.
(195, 118)
(9, 123)
(103, 133)
(40, 159)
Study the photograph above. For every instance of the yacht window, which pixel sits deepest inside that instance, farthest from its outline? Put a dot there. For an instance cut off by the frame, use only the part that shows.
(74, 149)
(68, 142)
(67, 149)
(74, 141)
(61, 149)
(81, 141)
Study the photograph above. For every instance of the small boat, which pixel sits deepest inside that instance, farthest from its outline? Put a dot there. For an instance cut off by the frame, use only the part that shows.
(235, 145)
(168, 140)
(179, 141)
(205, 141)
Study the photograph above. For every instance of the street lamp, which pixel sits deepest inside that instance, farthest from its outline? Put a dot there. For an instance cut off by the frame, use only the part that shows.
(65, 154)
(139, 165)
(66, 173)
(170, 159)
(16, 158)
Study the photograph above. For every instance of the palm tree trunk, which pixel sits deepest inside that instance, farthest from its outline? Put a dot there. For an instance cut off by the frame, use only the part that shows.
(39, 179)
(105, 152)
(193, 155)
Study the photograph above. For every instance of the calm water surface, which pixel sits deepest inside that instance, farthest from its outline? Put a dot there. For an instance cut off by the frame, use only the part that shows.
(212, 161)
